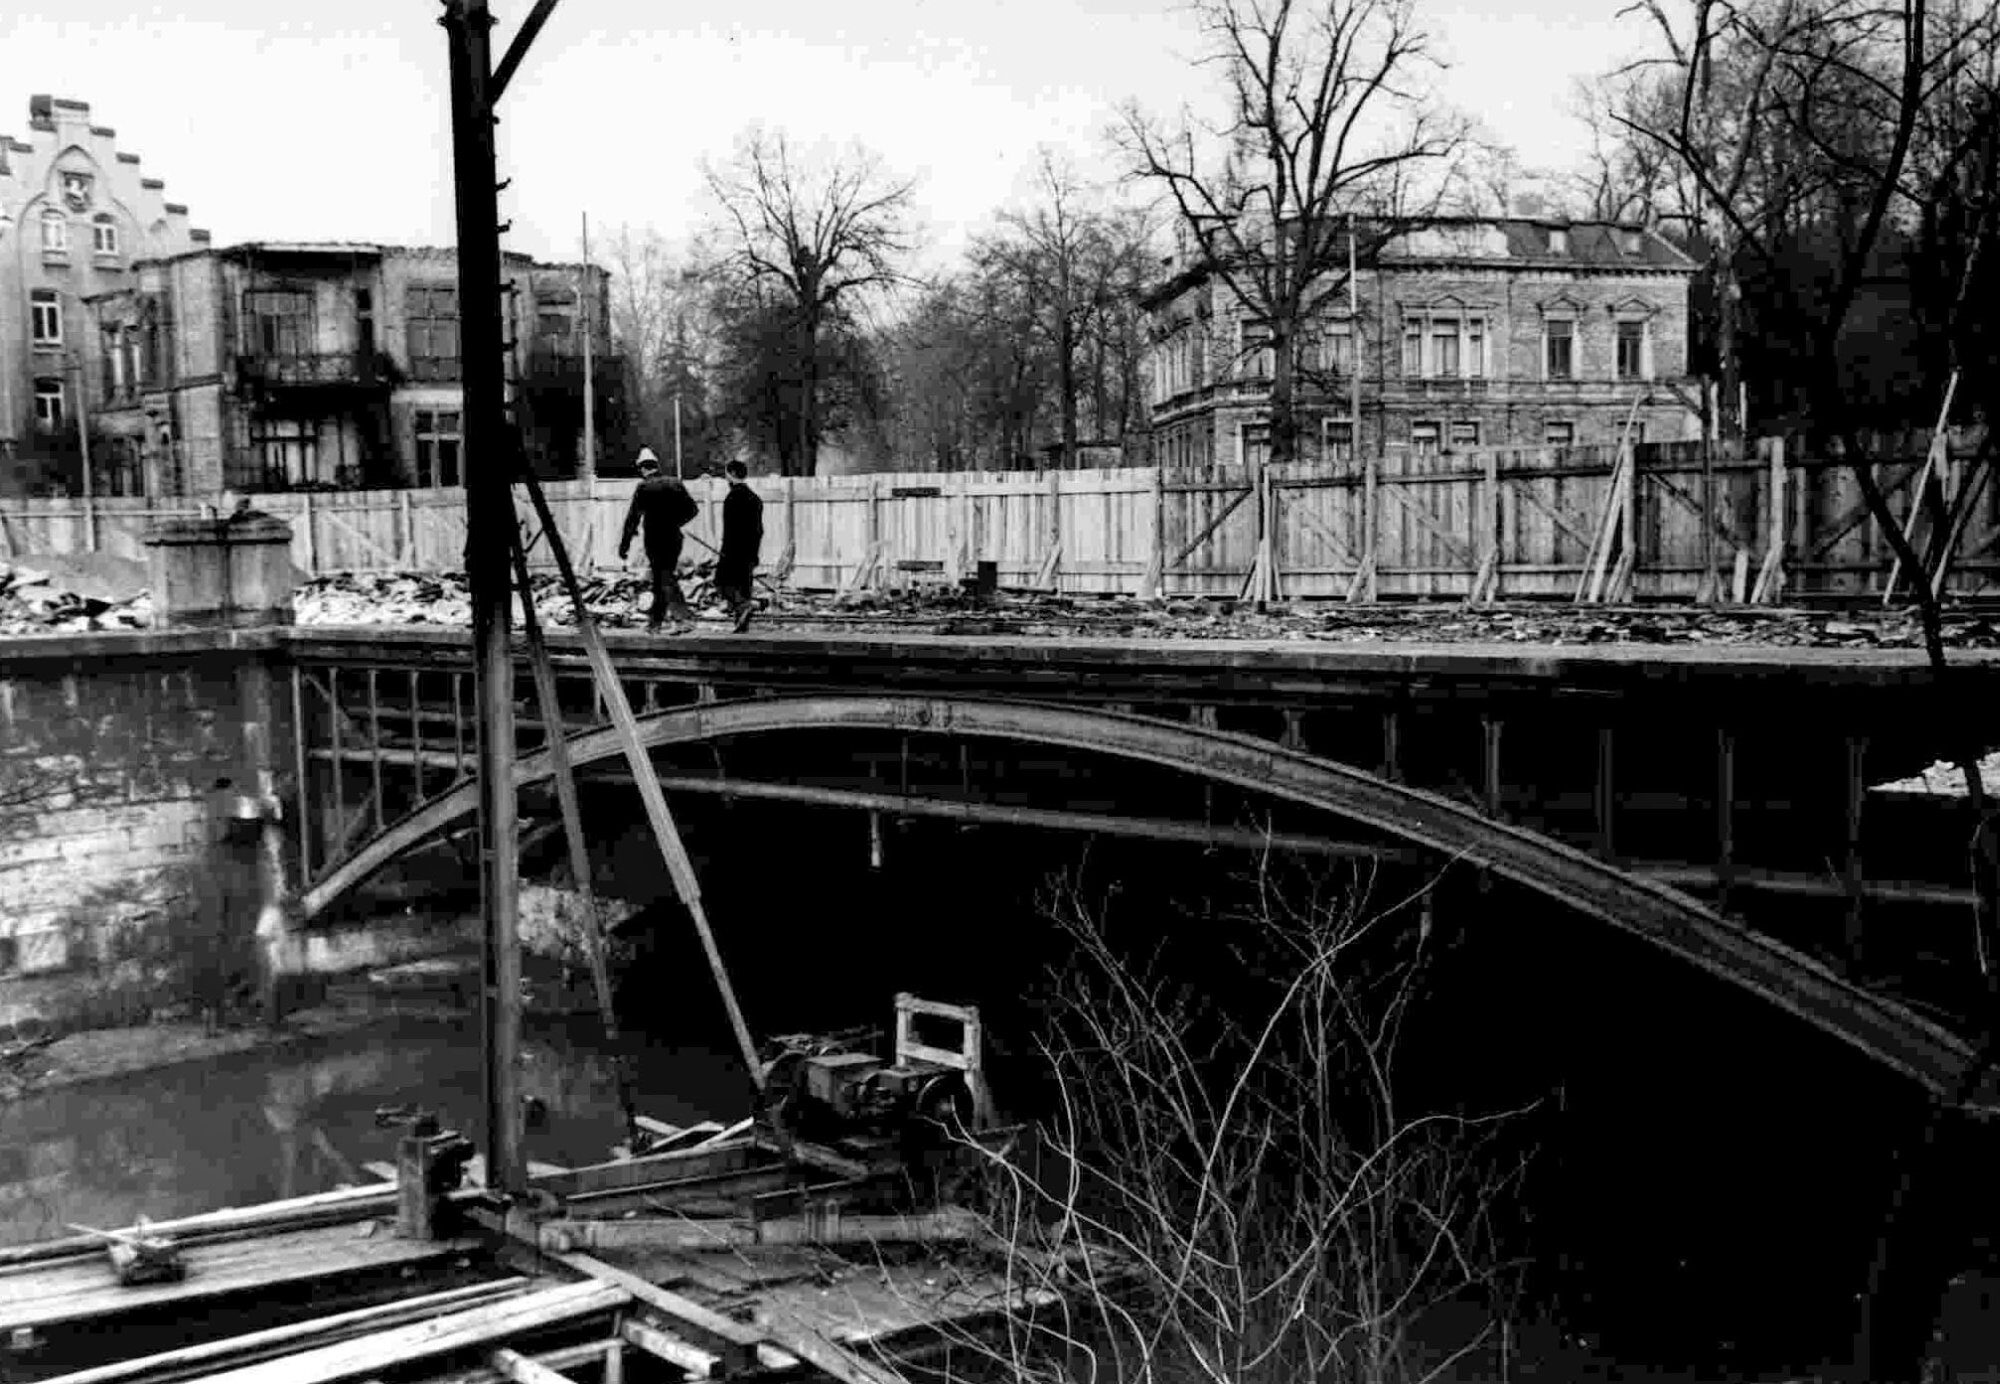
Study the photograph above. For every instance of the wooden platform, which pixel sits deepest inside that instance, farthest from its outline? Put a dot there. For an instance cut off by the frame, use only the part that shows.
(84, 1289)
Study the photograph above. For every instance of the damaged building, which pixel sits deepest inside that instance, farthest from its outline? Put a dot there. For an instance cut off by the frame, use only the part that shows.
(280, 366)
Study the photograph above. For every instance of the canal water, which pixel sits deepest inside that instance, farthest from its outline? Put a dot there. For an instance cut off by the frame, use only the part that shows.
(254, 1127)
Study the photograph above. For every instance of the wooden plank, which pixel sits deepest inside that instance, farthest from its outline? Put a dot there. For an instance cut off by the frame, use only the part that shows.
(672, 1166)
(340, 521)
(827, 1356)
(733, 1343)
(441, 1336)
(519, 1368)
(743, 1182)
(355, 1202)
(663, 1345)
(1429, 525)
(819, 1156)
(1562, 519)
(68, 1292)
(827, 1226)
(565, 1358)
(239, 1348)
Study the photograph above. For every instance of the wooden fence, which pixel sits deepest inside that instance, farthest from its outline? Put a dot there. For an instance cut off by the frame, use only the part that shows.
(1492, 524)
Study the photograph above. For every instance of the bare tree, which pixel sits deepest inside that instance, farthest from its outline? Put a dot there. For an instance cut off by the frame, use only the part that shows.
(1236, 1185)
(818, 239)
(1797, 120)
(1073, 261)
(1322, 122)
(661, 320)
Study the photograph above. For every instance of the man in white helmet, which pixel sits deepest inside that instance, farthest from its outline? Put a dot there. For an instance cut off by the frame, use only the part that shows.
(662, 504)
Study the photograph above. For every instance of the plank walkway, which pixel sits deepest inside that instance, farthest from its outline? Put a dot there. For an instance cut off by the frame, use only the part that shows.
(86, 1289)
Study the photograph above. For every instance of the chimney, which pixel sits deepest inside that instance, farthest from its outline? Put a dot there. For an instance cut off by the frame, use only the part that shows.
(1530, 204)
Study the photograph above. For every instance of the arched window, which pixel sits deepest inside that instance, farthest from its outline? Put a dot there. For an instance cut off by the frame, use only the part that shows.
(103, 234)
(55, 231)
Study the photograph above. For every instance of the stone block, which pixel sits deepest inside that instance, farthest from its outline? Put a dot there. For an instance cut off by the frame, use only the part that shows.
(230, 572)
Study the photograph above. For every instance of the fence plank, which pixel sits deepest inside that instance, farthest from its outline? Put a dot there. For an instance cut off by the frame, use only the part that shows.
(1430, 523)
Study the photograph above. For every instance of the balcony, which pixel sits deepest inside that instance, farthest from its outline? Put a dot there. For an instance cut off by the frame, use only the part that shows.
(328, 370)
(1448, 387)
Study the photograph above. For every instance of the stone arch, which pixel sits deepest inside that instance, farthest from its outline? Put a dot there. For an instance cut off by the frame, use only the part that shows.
(1887, 1032)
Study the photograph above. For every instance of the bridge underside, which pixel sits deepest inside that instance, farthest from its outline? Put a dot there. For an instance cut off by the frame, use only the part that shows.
(1327, 801)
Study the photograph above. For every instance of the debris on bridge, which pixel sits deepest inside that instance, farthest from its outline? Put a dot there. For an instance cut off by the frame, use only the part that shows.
(73, 595)
(619, 601)
(45, 596)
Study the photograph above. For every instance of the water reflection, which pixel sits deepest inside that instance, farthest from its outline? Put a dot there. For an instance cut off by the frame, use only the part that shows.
(259, 1126)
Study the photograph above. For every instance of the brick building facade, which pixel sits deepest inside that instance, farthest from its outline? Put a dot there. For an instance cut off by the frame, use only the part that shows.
(271, 366)
(76, 214)
(1473, 333)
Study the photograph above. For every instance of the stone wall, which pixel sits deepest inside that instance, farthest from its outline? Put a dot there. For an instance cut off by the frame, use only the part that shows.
(122, 884)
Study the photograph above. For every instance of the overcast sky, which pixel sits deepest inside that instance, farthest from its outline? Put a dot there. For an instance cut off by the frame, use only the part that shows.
(328, 121)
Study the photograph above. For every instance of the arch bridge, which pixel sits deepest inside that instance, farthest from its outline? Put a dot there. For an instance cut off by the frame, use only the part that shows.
(1715, 802)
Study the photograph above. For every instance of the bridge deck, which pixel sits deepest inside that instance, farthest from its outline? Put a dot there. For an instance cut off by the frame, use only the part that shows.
(1583, 663)
(1543, 661)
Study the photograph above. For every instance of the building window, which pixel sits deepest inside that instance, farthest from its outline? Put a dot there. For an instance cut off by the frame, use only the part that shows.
(1337, 436)
(1253, 444)
(1631, 240)
(45, 307)
(1559, 343)
(283, 452)
(104, 235)
(55, 233)
(438, 448)
(554, 325)
(281, 322)
(1444, 348)
(152, 361)
(48, 406)
(1464, 434)
(555, 314)
(1424, 438)
(116, 376)
(1631, 350)
(1558, 434)
(1253, 349)
(1336, 350)
(431, 318)
(1558, 241)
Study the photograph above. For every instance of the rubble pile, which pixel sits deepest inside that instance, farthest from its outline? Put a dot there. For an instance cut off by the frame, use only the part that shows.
(619, 600)
(77, 595)
(38, 598)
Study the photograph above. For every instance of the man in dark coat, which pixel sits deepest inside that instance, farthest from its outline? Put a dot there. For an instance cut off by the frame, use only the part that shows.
(742, 535)
(662, 504)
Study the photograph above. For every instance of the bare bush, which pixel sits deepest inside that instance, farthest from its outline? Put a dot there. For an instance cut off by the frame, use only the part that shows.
(1228, 1185)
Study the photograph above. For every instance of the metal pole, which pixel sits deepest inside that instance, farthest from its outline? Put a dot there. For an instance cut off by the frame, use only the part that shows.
(1353, 346)
(587, 466)
(489, 504)
(678, 473)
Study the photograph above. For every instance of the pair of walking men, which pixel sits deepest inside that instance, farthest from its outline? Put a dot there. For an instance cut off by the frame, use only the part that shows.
(662, 506)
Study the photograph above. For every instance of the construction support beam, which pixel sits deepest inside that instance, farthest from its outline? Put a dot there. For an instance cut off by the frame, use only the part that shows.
(566, 796)
(489, 513)
(679, 867)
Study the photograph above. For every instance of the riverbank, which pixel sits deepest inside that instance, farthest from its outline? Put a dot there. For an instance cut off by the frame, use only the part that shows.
(90, 1055)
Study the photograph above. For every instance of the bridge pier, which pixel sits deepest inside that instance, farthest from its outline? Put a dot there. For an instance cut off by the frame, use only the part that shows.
(236, 573)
